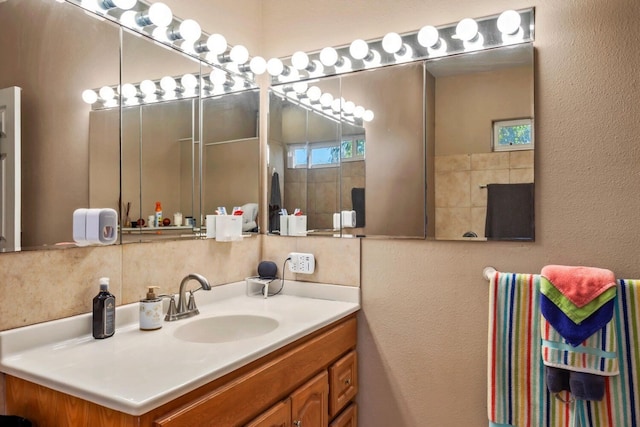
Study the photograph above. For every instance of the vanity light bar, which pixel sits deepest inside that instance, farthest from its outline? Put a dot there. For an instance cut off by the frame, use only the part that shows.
(158, 22)
(313, 99)
(165, 89)
(508, 28)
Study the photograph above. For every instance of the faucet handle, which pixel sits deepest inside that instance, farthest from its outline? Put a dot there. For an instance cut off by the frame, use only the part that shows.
(191, 306)
(172, 311)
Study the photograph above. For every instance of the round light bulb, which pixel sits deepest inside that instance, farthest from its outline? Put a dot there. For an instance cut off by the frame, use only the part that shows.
(300, 60)
(326, 99)
(160, 15)
(392, 43)
(336, 105)
(368, 116)
(258, 65)
(428, 36)
(128, 19)
(89, 96)
(148, 87)
(358, 112)
(217, 44)
(107, 93)
(349, 107)
(160, 34)
(275, 67)
(218, 77)
(314, 93)
(168, 84)
(189, 81)
(190, 30)
(329, 56)
(509, 22)
(239, 54)
(467, 29)
(359, 49)
(300, 87)
(124, 4)
(129, 91)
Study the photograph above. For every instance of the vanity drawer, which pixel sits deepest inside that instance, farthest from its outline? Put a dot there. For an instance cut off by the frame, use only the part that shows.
(343, 382)
(348, 418)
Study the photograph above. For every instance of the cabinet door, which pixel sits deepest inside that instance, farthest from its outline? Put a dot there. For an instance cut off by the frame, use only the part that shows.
(343, 379)
(310, 403)
(348, 418)
(278, 416)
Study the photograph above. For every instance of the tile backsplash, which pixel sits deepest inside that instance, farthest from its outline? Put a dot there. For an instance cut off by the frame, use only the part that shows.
(38, 286)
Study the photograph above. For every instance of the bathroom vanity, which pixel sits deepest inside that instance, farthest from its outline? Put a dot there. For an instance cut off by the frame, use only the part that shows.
(302, 372)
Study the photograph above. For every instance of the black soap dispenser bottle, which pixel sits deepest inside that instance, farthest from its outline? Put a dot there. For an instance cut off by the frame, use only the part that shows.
(104, 311)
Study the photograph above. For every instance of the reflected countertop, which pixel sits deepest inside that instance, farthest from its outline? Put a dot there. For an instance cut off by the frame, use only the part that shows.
(136, 371)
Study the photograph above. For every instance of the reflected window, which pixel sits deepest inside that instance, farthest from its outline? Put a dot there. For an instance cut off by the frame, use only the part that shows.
(353, 148)
(325, 154)
(510, 135)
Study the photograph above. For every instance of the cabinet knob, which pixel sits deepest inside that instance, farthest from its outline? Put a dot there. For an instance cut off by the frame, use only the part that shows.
(347, 381)
(297, 423)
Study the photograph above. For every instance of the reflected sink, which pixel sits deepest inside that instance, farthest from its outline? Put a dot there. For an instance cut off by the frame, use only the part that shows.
(228, 328)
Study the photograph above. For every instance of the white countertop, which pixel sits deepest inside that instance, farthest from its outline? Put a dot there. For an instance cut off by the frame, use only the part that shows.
(136, 371)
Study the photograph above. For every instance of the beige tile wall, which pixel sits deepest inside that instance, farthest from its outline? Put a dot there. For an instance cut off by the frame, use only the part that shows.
(461, 203)
(37, 286)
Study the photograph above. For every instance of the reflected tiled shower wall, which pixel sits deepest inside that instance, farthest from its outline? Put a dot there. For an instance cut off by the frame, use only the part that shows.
(461, 202)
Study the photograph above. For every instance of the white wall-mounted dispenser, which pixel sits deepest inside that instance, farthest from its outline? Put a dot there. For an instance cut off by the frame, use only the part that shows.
(95, 226)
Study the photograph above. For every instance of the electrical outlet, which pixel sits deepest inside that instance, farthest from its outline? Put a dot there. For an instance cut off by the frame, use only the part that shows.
(302, 263)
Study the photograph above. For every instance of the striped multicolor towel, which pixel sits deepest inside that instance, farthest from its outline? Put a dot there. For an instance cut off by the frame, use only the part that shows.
(517, 395)
(596, 355)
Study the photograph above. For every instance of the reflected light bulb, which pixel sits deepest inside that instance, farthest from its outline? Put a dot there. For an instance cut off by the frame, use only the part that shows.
(190, 30)
(218, 77)
(275, 67)
(392, 43)
(160, 34)
(148, 87)
(217, 44)
(160, 15)
(359, 49)
(239, 54)
(428, 36)
(509, 22)
(107, 93)
(467, 29)
(300, 60)
(128, 19)
(358, 112)
(258, 65)
(336, 105)
(124, 4)
(129, 91)
(368, 116)
(189, 81)
(89, 96)
(349, 107)
(314, 93)
(168, 84)
(326, 99)
(300, 87)
(329, 56)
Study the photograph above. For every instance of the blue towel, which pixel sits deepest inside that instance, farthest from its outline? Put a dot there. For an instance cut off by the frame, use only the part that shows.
(573, 333)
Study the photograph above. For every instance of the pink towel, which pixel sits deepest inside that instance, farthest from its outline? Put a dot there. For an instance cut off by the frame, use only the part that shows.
(580, 285)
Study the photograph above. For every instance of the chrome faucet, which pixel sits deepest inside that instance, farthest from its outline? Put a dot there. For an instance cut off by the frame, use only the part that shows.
(185, 309)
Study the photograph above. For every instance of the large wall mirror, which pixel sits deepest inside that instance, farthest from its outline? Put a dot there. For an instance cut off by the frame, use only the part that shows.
(444, 134)
(79, 155)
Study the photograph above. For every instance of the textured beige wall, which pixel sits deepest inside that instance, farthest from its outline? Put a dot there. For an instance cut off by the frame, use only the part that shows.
(422, 330)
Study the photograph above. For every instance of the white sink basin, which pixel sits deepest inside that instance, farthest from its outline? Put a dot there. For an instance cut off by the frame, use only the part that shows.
(219, 329)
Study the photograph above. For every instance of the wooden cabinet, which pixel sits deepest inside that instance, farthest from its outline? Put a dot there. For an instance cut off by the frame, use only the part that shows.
(310, 403)
(343, 381)
(277, 416)
(251, 394)
(348, 418)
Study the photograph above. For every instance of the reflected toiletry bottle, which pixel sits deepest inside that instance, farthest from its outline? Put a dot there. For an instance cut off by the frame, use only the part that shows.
(158, 217)
(151, 310)
(104, 311)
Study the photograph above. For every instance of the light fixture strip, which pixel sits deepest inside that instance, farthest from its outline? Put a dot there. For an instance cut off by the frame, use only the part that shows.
(488, 37)
(165, 35)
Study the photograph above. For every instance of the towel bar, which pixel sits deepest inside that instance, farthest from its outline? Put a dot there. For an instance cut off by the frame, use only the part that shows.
(488, 272)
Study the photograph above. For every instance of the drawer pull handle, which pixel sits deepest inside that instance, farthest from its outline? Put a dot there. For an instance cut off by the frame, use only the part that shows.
(297, 423)
(347, 381)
